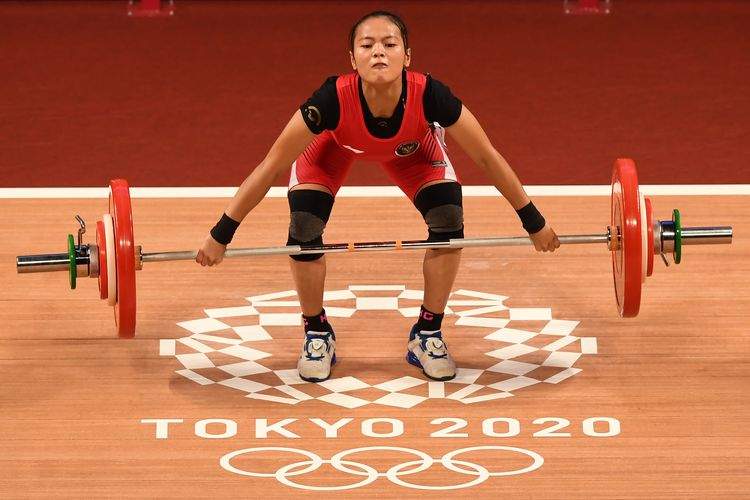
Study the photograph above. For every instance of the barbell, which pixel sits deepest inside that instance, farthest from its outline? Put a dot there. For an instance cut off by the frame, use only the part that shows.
(633, 237)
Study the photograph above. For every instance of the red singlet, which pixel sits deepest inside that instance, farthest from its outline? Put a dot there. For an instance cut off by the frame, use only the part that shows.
(413, 157)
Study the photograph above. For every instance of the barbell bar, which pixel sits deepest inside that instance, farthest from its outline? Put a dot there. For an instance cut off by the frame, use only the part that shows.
(61, 262)
(633, 238)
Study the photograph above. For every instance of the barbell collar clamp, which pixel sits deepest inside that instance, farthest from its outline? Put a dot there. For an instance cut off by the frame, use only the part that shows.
(664, 258)
(81, 230)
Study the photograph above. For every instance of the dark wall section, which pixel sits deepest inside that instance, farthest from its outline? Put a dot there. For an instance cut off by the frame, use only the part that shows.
(88, 94)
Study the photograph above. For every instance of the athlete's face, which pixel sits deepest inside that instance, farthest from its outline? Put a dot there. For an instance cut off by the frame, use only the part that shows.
(379, 54)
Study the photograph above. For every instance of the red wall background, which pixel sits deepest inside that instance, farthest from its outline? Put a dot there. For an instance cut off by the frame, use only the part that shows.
(89, 93)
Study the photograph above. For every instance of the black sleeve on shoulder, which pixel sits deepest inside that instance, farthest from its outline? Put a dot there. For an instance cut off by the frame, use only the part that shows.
(321, 110)
(440, 105)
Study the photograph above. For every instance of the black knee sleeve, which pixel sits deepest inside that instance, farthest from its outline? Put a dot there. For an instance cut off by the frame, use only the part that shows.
(309, 212)
(442, 209)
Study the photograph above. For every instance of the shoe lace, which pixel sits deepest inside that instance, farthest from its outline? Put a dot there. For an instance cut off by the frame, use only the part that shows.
(316, 345)
(432, 343)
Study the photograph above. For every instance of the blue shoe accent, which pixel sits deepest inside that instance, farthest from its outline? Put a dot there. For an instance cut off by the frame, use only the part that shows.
(413, 360)
(413, 332)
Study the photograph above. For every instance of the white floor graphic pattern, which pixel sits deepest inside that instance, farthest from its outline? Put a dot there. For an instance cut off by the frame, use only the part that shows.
(210, 337)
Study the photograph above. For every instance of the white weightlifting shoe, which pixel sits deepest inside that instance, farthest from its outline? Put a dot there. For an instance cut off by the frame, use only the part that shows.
(428, 352)
(318, 354)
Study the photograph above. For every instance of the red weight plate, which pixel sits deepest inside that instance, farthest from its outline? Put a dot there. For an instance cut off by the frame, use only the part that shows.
(627, 259)
(120, 208)
(101, 244)
(644, 236)
(650, 244)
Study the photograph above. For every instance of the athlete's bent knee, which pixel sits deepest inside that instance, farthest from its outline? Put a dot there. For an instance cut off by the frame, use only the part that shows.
(309, 212)
(441, 207)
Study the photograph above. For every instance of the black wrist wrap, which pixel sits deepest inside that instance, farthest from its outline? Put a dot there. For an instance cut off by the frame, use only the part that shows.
(531, 219)
(224, 230)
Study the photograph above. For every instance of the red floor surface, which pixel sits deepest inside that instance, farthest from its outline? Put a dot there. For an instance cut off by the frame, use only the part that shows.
(195, 100)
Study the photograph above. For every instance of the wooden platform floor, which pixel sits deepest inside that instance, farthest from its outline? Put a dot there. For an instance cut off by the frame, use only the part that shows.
(676, 379)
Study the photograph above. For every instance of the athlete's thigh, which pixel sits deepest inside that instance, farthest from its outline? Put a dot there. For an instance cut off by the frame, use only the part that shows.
(323, 163)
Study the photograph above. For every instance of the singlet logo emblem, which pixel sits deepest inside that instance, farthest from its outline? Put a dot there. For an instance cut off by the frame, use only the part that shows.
(313, 115)
(407, 148)
(355, 150)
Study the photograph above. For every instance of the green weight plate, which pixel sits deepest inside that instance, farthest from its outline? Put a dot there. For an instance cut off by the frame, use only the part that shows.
(677, 236)
(72, 256)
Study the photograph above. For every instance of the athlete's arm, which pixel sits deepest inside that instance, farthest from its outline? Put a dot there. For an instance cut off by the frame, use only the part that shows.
(292, 141)
(468, 133)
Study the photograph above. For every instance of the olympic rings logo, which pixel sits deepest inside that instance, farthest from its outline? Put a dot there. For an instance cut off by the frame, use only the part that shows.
(370, 474)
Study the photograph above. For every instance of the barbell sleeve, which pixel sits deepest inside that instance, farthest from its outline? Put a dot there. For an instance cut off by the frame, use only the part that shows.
(49, 262)
(719, 235)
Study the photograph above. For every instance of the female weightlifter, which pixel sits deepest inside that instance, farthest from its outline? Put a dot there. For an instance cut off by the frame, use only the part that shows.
(380, 112)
